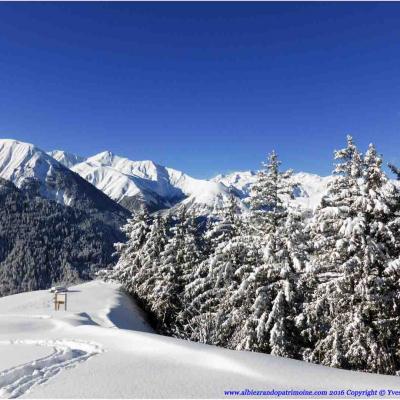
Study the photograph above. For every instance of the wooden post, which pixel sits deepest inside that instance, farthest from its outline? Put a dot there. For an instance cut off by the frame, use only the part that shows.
(60, 298)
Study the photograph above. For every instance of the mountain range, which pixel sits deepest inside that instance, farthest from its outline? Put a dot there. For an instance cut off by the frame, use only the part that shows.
(132, 183)
(54, 225)
(71, 180)
(60, 213)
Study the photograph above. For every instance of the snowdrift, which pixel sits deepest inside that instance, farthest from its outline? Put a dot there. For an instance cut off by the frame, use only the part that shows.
(102, 347)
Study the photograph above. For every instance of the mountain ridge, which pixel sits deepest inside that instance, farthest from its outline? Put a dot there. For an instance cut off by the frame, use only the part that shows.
(132, 183)
(26, 165)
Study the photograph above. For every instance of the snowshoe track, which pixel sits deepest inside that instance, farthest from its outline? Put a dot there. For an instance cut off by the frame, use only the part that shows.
(16, 381)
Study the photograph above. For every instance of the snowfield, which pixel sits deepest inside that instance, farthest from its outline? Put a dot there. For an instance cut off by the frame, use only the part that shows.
(102, 347)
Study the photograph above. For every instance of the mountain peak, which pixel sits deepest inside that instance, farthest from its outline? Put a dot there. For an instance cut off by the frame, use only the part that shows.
(65, 158)
(104, 158)
(17, 145)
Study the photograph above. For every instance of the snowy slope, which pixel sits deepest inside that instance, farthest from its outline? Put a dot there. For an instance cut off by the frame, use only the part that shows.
(308, 194)
(202, 196)
(129, 182)
(65, 158)
(239, 180)
(119, 177)
(20, 162)
(310, 189)
(103, 348)
(132, 183)
(31, 168)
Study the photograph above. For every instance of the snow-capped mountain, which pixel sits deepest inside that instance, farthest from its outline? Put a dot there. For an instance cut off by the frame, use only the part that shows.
(65, 158)
(134, 182)
(240, 181)
(309, 191)
(27, 166)
(54, 225)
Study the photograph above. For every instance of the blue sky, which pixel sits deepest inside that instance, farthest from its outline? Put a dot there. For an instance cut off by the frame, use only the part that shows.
(202, 87)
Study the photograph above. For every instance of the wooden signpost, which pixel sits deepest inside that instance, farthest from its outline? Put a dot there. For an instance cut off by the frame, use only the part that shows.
(59, 299)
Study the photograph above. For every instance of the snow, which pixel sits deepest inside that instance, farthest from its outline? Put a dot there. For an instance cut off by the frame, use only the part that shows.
(308, 194)
(19, 161)
(312, 188)
(240, 180)
(102, 347)
(65, 158)
(113, 183)
(119, 177)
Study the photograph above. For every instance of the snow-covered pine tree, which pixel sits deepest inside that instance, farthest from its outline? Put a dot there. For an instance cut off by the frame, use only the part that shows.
(150, 257)
(270, 290)
(215, 277)
(180, 255)
(395, 170)
(269, 195)
(166, 294)
(353, 317)
(136, 229)
(291, 281)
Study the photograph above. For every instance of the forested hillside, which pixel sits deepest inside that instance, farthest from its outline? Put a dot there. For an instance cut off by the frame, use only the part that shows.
(43, 242)
(272, 279)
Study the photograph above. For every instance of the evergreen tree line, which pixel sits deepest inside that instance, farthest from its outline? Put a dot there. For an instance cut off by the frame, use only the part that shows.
(43, 243)
(270, 279)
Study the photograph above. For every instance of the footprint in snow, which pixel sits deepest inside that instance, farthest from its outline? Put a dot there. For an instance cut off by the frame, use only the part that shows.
(16, 381)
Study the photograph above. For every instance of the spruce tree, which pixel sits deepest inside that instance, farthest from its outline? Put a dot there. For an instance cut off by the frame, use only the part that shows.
(150, 255)
(136, 229)
(270, 295)
(395, 170)
(215, 276)
(353, 315)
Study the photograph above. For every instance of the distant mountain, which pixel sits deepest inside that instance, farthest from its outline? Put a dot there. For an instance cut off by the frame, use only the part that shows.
(132, 183)
(29, 167)
(240, 181)
(54, 225)
(310, 189)
(308, 193)
(66, 159)
(43, 242)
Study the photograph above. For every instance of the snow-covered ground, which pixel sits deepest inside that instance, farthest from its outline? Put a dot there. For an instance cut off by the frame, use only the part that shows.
(102, 347)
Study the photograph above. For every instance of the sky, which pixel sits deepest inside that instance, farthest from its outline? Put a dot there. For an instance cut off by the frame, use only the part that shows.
(205, 88)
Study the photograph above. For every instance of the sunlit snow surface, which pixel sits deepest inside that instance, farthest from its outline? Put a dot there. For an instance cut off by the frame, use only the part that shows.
(119, 177)
(86, 353)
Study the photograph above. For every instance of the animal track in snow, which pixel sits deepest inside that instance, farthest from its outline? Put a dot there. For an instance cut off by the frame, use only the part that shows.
(18, 380)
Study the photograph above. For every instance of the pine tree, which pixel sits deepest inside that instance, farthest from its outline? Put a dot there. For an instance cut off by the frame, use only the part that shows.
(395, 170)
(215, 275)
(129, 261)
(270, 295)
(353, 312)
(145, 278)
(180, 255)
(269, 194)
